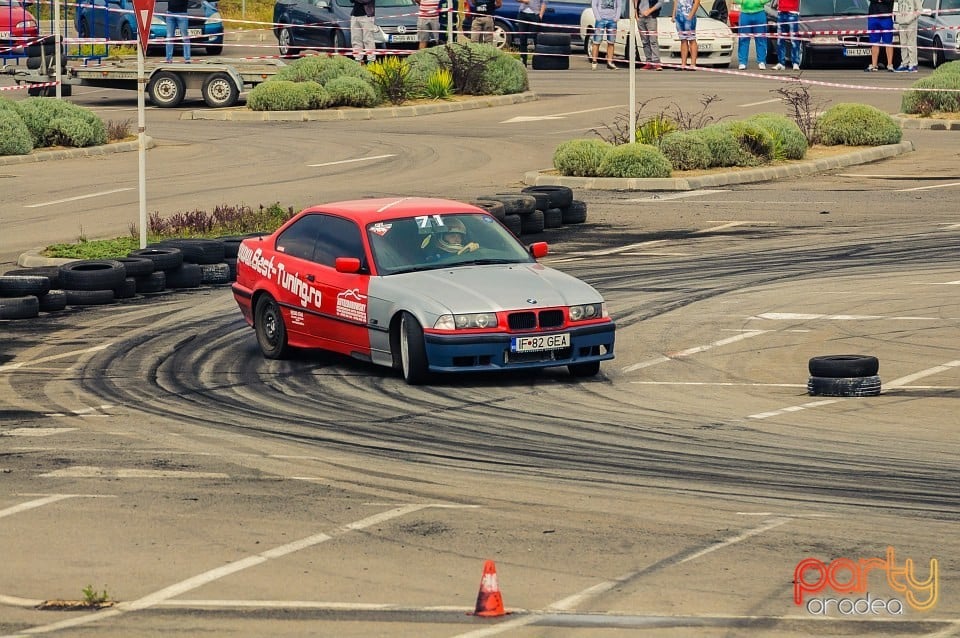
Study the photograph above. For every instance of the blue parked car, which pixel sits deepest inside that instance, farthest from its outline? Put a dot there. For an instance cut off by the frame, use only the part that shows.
(561, 16)
(115, 20)
(324, 25)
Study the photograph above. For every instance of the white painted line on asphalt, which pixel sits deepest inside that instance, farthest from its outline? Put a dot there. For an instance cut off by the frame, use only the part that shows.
(671, 196)
(78, 197)
(205, 578)
(670, 356)
(902, 381)
(350, 161)
(557, 116)
(62, 355)
(571, 602)
(93, 471)
(926, 188)
(773, 101)
(795, 408)
(36, 431)
(655, 254)
(618, 249)
(803, 316)
(29, 505)
(724, 384)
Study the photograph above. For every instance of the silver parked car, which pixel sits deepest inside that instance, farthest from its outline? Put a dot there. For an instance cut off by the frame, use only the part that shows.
(937, 39)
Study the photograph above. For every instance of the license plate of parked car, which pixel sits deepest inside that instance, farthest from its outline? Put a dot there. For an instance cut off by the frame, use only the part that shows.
(857, 52)
(541, 342)
(4, 34)
(410, 37)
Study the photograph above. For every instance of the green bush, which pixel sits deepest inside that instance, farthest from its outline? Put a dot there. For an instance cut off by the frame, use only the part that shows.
(756, 144)
(724, 148)
(686, 150)
(652, 130)
(581, 157)
(391, 76)
(789, 142)
(351, 91)
(56, 122)
(15, 138)
(321, 69)
(948, 68)
(634, 160)
(278, 95)
(316, 96)
(504, 75)
(857, 125)
(438, 85)
(936, 92)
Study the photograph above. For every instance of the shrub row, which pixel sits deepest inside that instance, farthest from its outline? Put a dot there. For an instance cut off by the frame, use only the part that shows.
(939, 91)
(757, 140)
(36, 122)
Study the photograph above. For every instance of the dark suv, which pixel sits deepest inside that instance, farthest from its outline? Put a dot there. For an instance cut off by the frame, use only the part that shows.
(561, 16)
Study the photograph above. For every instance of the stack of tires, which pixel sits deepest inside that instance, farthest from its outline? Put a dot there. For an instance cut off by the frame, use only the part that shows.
(534, 208)
(843, 375)
(552, 52)
(23, 296)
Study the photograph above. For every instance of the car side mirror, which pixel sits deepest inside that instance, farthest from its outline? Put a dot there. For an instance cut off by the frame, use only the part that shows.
(347, 264)
(539, 249)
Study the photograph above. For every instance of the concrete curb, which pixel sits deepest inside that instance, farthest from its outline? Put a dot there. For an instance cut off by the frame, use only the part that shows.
(44, 155)
(243, 114)
(764, 174)
(925, 123)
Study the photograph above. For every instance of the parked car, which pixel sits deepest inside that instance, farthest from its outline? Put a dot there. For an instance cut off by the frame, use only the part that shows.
(561, 16)
(325, 25)
(17, 28)
(715, 41)
(420, 285)
(937, 30)
(115, 20)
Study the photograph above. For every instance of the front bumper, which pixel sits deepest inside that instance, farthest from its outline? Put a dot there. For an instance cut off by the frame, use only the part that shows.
(479, 352)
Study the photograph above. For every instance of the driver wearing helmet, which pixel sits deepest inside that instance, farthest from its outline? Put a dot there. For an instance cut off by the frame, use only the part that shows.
(449, 239)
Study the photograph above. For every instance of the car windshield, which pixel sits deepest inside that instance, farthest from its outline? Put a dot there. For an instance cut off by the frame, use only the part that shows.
(434, 241)
(834, 7)
(950, 5)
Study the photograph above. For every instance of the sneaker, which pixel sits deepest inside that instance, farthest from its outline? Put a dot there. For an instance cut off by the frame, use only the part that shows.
(611, 66)
(778, 67)
(762, 66)
(593, 65)
(911, 69)
(742, 67)
(796, 67)
(901, 69)
(169, 61)
(647, 67)
(870, 69)
(657, 67)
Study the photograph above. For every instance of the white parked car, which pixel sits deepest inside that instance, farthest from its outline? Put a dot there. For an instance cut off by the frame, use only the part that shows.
(715, 40)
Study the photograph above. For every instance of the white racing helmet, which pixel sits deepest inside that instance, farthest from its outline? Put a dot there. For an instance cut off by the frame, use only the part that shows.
(451, 226)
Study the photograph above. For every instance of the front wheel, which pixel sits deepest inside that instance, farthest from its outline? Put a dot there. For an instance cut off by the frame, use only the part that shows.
(126, 33)
(581, 370)
(271, 331)
(166, 89)
(937, 56)
(502, 35)
(285, 42)
(339, 42)
(213, 49)
(413, 353)
(220, 91)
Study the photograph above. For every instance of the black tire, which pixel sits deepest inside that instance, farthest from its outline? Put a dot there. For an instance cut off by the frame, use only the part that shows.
(166, 89)
(22, 285)
(514, 223)
(937, 56)
(35, 63)
(270, 329)
(25, 307)
(561, 40)
(215, 274)
(126, 33)
(53, 301)
(284, 38)
(127, 290)
(580, 370)
(843, 365)
(560, 196)
(89, 297)
(513, 203)
(231, 243)
(843, 387)
(50, 272)
(186, 276)
(192, 253)
(137, 266)
(495, 208)
(576, 213)
(232, 264)
(552, 51)
(220, 91)
(154, 282)
(339, 42)
(549, 61)
(543, 199)
(92, 274)
(162, 258)
(552, 218)
(213, 49)
(413, 352)
(532, 224)
(197, 251)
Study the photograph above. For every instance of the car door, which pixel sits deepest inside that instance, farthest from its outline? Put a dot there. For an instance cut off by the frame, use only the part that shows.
(297, 273)
(927, 28)
(312, 21)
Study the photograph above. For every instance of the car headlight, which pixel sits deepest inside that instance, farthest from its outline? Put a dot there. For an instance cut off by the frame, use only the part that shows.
(214, 18)
(467, 322)
(157, 21)
(587, 311)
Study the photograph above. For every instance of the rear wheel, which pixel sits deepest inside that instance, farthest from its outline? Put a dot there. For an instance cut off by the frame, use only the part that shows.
(937, 57)
(502, 35)
(271, 332)
(166, 89)
(339, 42)
(126, 33)
(220, 91)
(413, 353)
(285, 42)
(213, 49)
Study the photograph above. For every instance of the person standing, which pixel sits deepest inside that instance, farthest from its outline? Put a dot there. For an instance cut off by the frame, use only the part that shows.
(483, 19)
(428, 22)
(788, 23)
(605, 16)
(685, 18)
(880, 28)
(647, 13)
(362, 29)
(907, 13)
(753, 26)
(529, 18)
(177, 20)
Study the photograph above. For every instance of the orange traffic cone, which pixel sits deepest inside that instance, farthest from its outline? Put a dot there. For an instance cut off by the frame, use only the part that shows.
(489, 600)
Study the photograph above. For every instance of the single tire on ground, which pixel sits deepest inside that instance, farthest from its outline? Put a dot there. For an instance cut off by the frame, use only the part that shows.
(843, 387)
(553, 218)
(53, 301)
(162, 258)
(22, 285)
(89, 297)
(532, 224)
(214, 274)
(550, 59)
(560, 196)
(92, 274)
(554, 39)
(137, 266)
(25, 307)
(576, 213)
(843, 365)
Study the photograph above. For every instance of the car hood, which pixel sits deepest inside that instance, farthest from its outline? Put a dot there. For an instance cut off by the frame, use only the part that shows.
(10, 16)
(496, 287)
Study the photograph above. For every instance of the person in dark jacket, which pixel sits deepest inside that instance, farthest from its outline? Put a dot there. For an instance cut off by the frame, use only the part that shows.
(363, 26)
(176, 19)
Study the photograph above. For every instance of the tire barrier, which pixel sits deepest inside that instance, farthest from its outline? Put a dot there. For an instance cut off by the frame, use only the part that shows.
(843, 375)
(536, 208)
